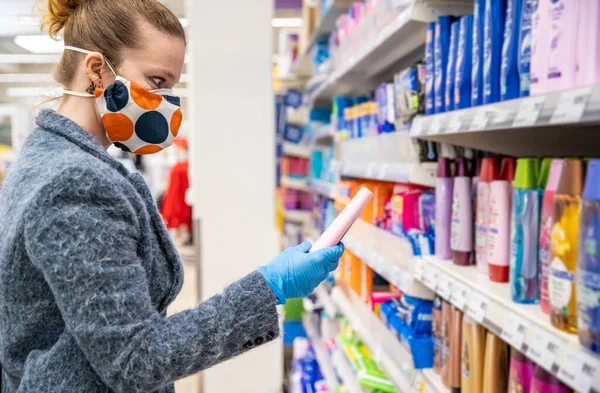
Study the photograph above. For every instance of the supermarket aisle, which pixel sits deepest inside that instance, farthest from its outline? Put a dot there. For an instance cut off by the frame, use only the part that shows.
(188, 298)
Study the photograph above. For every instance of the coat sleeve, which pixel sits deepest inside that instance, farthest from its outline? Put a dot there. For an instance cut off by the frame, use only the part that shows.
(81, 232)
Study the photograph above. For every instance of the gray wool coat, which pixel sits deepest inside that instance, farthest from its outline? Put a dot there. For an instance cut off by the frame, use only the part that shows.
(87, 271)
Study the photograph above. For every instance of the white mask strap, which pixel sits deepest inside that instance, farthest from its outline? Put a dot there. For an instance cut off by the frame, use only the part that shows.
(77, 94)
(87, 52)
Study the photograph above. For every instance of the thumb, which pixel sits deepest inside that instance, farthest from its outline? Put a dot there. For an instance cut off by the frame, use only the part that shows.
(303, 248)
(331, 256)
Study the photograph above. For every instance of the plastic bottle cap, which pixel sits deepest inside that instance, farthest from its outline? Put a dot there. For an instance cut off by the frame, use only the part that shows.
(461, 167)
(444, 167)
(489, 170)
(544, 173)
(571, 178)
(507, 173)
(527, 173)
(554, 176)
(592, 183)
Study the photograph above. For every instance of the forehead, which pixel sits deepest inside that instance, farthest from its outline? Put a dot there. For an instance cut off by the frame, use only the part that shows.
(157, 49)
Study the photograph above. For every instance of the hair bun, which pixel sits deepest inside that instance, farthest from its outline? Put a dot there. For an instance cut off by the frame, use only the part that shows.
(57, 14)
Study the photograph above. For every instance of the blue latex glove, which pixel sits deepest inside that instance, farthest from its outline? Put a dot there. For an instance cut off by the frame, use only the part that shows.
(295, 273)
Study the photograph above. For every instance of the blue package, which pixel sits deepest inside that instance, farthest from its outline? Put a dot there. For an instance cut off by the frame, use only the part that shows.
(423, 244)
(528, 9)
(421, 348)
(442, 48)
(451, 67)
(493, 36)
(464, 56)
(477, 54)
(427, 211)
(293, 98)
(417, 314)
(430, 67)
(509, 72)
(293, 133)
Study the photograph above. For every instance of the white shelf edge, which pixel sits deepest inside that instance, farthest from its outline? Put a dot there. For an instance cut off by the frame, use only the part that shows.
(344, 370)
(296, 184)
(415, 173)
(300, 216)
(295, 150)
(323, 188)
(469, 290)
(324, 297)
(323, 359)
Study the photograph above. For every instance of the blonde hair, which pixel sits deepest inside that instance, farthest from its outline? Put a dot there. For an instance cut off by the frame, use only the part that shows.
(105, 26)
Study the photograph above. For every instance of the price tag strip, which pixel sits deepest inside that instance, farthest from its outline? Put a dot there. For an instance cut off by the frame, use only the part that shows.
(477, 305)
(480, 121)
(514, 331)
(444, 287)
(529, 111)
(430, 277)
(460, 294)
(436, 125)
(417, 127)
(456, 122)
(578, 370)
(543, 348)
(571, 106)
(383, 169)
(372, 170)
(418, 269)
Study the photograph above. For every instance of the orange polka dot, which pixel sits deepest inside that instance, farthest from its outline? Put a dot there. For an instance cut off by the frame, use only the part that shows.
(144, 98)
(148, 149)
(176, 122)
(118, 127)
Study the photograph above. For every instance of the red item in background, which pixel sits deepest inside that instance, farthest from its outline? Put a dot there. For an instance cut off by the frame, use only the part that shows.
(174, 209)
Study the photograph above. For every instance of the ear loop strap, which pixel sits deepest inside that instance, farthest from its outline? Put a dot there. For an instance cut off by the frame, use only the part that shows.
(86, 52)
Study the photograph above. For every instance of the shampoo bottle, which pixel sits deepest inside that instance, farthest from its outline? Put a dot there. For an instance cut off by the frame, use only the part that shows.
(462, 81)
(451, 66)
(462, 216)
(443, 208)
(588, 48)
(540, 45)
(563, 48)
(441, 53)
(499, 229)
(437, 321)
(455, 350)
(545, 228)
(489, 173)
(429, 70)
(524, 233)
(521, 373)
(525, 43)
(545, 382)
(477, 69)
(563, 243)
(495, 15)
(588, 266)
(496, 365)
(473, 352)
(509, 74)
(446, 329)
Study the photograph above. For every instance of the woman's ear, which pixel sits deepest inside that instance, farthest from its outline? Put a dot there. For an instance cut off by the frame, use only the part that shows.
(97, 70)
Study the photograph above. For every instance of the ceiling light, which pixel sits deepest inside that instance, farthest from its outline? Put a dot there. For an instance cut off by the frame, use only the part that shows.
(286, 22)
(41, 44)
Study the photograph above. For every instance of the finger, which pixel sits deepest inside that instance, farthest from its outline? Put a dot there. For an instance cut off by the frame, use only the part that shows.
(330, 256)
(304, 247)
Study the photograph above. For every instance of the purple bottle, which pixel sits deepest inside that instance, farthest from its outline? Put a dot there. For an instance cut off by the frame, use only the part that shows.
(461, 240)
(443, 208)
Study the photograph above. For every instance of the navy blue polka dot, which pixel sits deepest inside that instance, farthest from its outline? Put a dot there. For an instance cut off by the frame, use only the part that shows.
(173, 100)
(122, 147)
(152, 127)
(117, 96)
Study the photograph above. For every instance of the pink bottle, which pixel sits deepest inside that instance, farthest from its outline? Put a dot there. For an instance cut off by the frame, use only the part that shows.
(545, 382)
(337, 230)
(489, 173)
(461, 231)
(521, 373)
(588, 48)
(563, 37)
(443, 208)
(540, 44)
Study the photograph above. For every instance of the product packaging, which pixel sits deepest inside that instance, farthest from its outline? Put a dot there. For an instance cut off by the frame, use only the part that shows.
(495, 16)
(496, 366)
(545, 382)
(498, 245)
(489, 173)
(563, 47)
(521, 373)
(464, 58)
(437, 335)
(540, 46)
(427, 212)
(456, 350)
(588, 47)
(442, 49)
(472, 356)
(564, 242)
(446, 329)
(430, 67)
(477, 54)
(588, 266)
(461, 231)
(524, 233)
(443, 208)
(525, 44)
(451, 66)
(509, 73)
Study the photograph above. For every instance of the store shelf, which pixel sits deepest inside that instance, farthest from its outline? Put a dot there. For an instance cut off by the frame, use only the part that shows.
(296, 150)
(323, 188)
(324, 133)
(422, 174)
(556, 124)
(295, 184)
(300, 216)
(323, 295)
(325, 363)
(325, 27)
(395, 360)
(389, 255)
(525, 327)
(395, 44)
(344, 370)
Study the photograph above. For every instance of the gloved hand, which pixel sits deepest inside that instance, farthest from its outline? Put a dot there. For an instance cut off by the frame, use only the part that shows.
(295, 273)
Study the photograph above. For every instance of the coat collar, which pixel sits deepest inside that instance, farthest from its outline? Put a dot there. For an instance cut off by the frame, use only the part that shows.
(50, 121)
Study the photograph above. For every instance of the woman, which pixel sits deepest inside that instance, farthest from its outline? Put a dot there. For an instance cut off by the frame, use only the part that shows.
(86, 266)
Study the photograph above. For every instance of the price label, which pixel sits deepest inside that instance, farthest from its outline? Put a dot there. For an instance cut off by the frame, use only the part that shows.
(477, 306)
(403, 280)
(419, 383)
(514, 331)
(417, 127)
(543, 348)
(436, 125)
(456, 121)
(373, 260)
(418, 269)
(383, 169)
(372, 170)
(460, 294)
(571, 106)
(430, 277)
(444, 287)
(529, 111)
(480, 121)
(578, 370)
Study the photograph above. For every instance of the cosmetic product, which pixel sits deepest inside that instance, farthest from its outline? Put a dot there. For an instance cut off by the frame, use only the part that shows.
(446, 330)
(472, 356)
(525, 43)
(540, 46)
(563, 244)
(588, 49)
(495, 15)
(464, 58)
(437, 334)
(443, 208)
(563, 48)
(521, 373)
(455, 350)
(588, 266)
(489, 173)
(496, 366)
(461, 240)
(336, 231)
(524, 233)
(509, 73)
(545, 382)
(451, 66)
(430, 67)
(478, 46)
(442, 49)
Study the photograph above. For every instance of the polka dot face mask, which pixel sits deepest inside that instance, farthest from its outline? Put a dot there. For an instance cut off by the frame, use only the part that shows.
(136, 120)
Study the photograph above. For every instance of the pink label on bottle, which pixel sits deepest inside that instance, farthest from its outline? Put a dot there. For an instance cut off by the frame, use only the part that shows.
(544, 247)
(462, 216)
(538, 386)
(499, 225)
(482, 222)
(521, 375)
